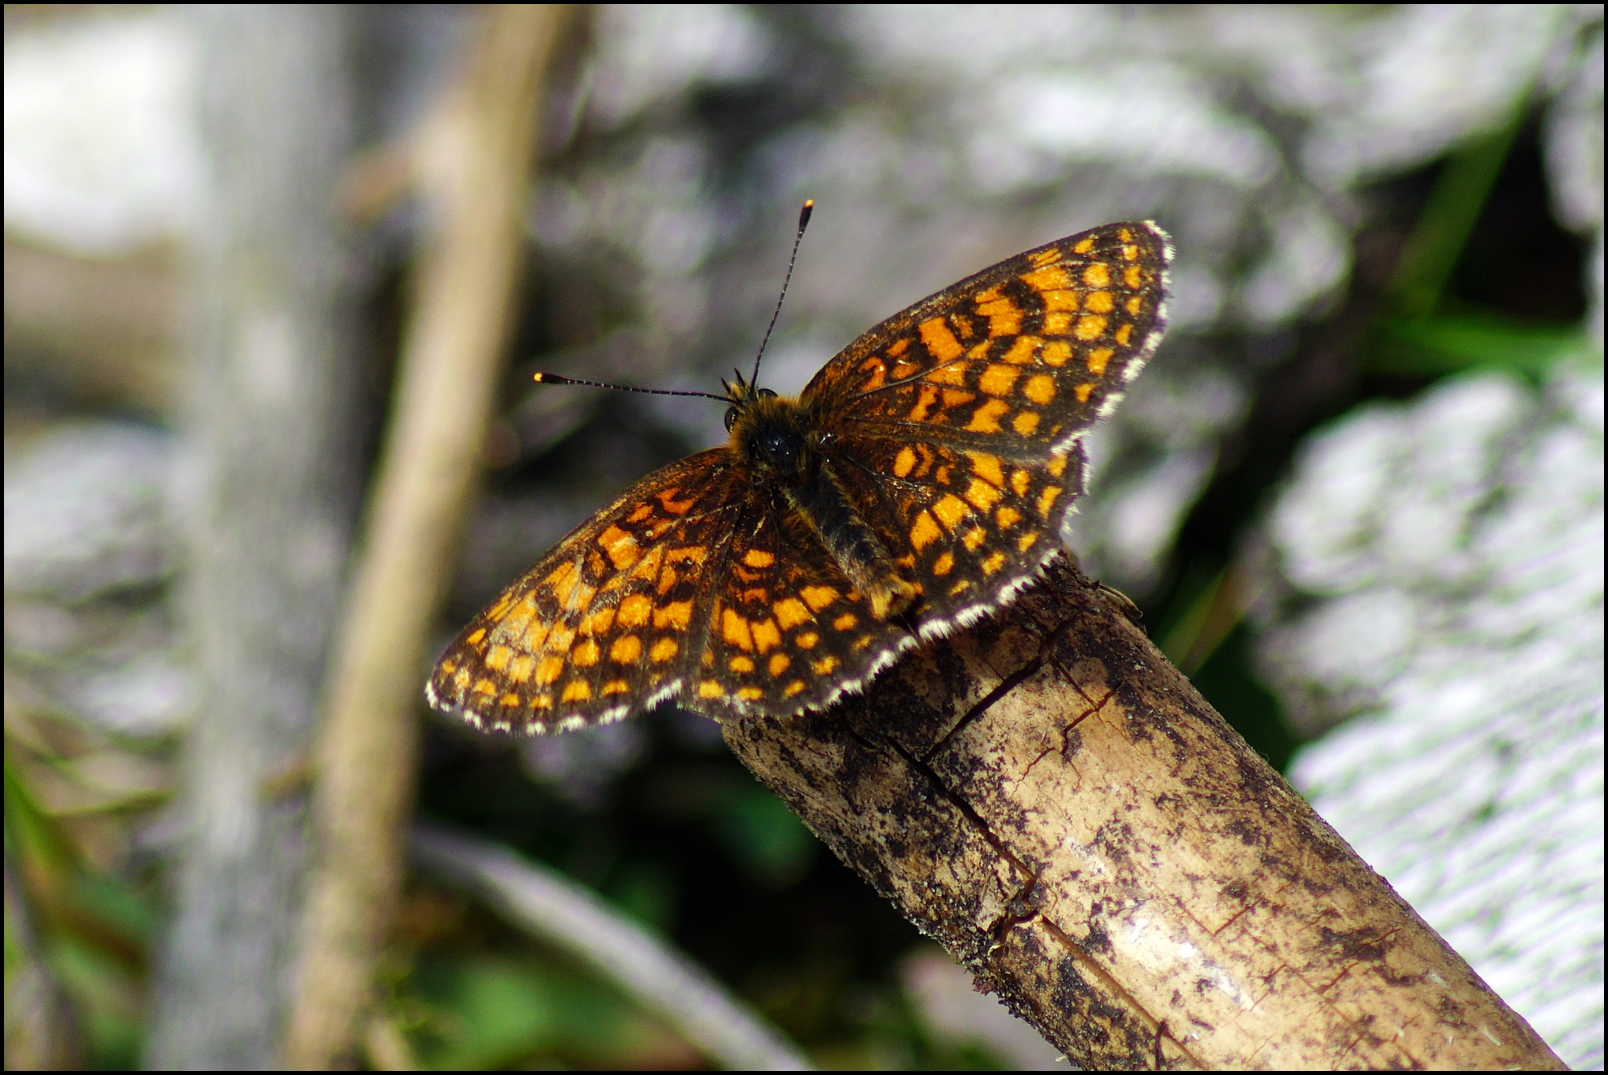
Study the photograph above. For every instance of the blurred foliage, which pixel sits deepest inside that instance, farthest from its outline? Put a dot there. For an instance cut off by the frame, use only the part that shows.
(1449, 215)
(90, 906)
(1484, 278)
(691, 844)
(1425, 330)
(467, 992)
(498, 1010)
(1205, 635)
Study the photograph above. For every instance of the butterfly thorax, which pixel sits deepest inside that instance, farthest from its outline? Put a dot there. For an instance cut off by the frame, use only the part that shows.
(780, 445)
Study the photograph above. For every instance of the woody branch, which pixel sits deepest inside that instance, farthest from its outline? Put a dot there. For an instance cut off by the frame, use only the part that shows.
(1055, 803)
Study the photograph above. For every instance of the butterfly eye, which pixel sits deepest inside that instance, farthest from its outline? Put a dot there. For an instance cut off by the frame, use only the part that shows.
(767, 393)
(731, 418)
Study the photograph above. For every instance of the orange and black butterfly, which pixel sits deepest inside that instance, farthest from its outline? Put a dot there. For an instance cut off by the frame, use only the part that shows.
(919, 480)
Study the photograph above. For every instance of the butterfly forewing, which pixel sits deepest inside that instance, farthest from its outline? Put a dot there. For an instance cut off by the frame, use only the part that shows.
(1016, 361)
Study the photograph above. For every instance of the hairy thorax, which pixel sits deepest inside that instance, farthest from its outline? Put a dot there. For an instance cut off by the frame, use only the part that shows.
(776, 440)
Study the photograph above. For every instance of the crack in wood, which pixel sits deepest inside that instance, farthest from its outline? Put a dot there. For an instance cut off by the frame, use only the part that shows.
(1004, 687)
(959, 802)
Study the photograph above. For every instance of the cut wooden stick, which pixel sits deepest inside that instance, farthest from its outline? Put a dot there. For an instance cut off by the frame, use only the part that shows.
(1055, 803)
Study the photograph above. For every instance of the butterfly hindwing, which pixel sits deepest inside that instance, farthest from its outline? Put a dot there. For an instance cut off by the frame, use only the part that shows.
(608, 621)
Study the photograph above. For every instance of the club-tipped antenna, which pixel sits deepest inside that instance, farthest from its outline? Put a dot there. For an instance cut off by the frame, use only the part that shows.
(553, 378)
(803, 222)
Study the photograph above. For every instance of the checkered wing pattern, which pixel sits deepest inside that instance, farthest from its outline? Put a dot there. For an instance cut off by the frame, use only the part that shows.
(958, 419)
(613, 618)
(966, 526)
(788, 631)
(1017, 361)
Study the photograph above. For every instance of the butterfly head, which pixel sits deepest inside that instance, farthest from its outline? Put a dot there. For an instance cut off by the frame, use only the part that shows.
(744, 396)
(767, 430)
(740, 393)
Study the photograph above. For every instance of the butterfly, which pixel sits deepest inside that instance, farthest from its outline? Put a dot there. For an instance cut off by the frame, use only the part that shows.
(921, 478)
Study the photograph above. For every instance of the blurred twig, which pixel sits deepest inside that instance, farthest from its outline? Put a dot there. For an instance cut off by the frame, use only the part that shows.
(554, 908)
(385, 1047)
(475, 168)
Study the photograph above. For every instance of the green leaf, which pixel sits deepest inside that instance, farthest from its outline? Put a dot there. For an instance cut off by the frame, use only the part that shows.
(1448, 217)
(1449, 343)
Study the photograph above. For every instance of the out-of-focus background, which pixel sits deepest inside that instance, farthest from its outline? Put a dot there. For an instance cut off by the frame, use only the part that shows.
(1358, 494)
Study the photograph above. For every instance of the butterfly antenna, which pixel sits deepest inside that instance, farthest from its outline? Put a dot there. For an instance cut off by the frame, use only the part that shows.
(803, 222)
(553, 378)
